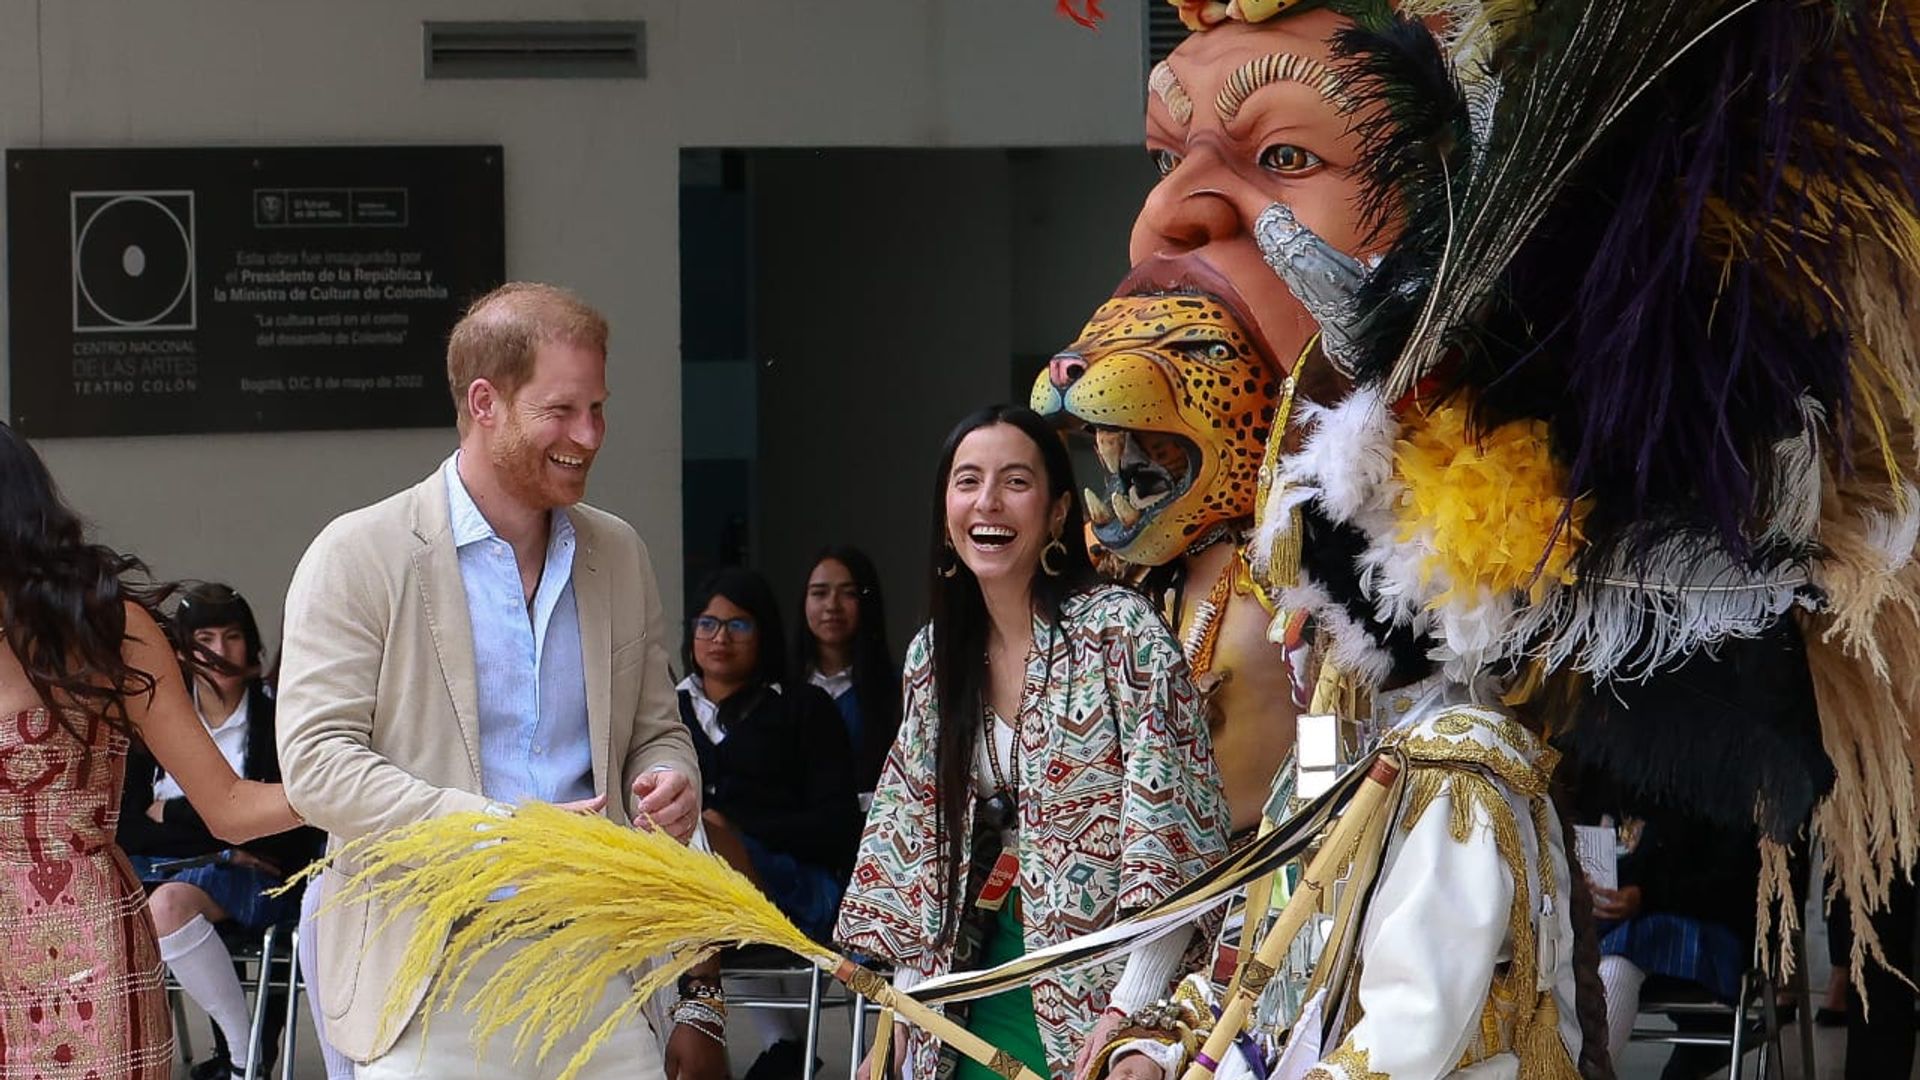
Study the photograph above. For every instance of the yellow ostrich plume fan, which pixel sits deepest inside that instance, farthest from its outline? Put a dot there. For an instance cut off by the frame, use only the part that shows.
(583, 901)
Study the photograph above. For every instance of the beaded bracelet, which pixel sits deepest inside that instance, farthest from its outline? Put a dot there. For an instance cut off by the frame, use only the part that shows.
(699, 1011)
(711, 1032)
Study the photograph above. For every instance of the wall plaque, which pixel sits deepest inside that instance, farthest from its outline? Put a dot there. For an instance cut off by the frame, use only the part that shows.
(186, 291)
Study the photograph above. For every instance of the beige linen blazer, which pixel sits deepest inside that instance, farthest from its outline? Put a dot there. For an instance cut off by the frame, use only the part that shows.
(378, 717)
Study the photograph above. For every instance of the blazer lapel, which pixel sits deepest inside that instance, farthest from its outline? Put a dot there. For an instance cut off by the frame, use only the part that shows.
(443, 597)
(591, 598)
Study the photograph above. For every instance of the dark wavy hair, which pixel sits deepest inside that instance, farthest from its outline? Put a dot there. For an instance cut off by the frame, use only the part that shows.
(63, 599)
(876, 680)
(959, 621)
(747, 590)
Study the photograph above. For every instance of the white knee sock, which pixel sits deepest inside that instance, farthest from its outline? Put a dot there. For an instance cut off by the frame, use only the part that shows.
(1622, 980)
(203, 965)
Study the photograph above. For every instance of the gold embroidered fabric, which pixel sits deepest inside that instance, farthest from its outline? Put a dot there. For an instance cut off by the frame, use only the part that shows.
(1513, 754)
(1353, 1063)
(1446, 755)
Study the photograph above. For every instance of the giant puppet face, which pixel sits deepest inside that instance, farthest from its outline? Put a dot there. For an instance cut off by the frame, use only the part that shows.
(1179, 374)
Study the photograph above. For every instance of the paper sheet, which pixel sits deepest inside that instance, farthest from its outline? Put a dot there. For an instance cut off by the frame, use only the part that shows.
(1595, 847)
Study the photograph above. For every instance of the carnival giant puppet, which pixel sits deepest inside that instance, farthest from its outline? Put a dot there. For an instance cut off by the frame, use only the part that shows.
(1179, 378)
(1622, 450)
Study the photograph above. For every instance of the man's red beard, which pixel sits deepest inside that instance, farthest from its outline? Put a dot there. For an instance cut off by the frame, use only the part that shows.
(522, 467)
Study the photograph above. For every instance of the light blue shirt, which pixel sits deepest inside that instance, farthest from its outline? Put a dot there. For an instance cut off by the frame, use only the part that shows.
(534, 738)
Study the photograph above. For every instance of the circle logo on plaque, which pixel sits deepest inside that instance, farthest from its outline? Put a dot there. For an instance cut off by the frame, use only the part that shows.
(133, 266)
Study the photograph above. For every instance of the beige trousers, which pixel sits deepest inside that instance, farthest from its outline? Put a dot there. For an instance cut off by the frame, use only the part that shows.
(447, 1048)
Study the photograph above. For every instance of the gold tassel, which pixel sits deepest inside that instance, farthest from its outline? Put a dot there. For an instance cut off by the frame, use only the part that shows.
(586, 901)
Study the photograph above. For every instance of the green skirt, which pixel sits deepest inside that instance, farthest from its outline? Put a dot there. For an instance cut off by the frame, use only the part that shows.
(1006, 1018)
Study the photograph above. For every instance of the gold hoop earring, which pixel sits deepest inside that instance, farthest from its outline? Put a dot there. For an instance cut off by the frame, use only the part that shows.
(952, 567)
(1045, 568)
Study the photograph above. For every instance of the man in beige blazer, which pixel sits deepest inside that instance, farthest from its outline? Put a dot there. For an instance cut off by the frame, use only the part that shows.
(479, 639)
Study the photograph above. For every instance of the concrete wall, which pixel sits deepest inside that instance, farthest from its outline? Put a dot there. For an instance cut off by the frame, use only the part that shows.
(591, 177)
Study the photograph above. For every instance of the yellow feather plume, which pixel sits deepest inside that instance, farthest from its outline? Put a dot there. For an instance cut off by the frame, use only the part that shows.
(583, 900)
(1494, 504)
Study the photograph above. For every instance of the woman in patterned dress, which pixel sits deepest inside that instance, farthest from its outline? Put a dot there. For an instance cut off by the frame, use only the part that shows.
(1053, 770)
(86, 669)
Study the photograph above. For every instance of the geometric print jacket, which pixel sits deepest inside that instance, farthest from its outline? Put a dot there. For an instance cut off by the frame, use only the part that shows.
(1119, 805)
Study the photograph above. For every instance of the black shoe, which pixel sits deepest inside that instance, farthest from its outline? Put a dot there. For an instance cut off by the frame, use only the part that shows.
(784, 1060)
(217, 1067)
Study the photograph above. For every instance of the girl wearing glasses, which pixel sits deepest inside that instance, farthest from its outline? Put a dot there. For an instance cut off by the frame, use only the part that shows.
(774, 759)
(1053, 770)
(843, 650)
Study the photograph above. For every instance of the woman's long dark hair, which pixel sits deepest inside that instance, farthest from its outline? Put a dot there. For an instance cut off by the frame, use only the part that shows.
(960, 622)
(749, 591)
(876, 681)
(206, 604)
(63, 600)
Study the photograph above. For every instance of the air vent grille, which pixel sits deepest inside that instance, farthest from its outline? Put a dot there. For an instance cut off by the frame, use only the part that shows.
(1165, 31)
(535, 50)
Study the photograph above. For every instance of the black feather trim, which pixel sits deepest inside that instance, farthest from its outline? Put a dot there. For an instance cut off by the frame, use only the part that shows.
(1731, 734)
(1416, 141)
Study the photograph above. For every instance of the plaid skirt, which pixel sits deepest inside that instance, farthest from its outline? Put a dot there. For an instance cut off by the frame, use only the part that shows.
(241, 891)
(1680, 948)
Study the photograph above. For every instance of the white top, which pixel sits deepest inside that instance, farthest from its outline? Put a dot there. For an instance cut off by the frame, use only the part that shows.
(987, 754)
(705, 709)
(835, 684)
(230, 735)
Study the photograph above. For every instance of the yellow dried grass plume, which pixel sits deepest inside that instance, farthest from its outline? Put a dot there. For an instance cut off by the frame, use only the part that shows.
(584, 901)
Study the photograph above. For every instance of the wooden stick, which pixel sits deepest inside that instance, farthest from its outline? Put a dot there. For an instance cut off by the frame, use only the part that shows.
(868, 984)
(1333, 856)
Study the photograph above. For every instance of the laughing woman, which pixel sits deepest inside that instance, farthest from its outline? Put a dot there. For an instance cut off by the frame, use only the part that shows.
(1049, 725)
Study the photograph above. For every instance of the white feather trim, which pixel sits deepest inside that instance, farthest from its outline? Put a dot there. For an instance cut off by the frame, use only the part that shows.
(1347, 454)
(1471, 633)
(1634, 621)
(1354, 650)
(1793, 506)
(1895, 535)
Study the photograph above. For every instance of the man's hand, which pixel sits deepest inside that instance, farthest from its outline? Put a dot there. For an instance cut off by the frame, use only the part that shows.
(667, 800)
(585, 806)
(1104, 1029)
(694, 1055)
(1621, 903)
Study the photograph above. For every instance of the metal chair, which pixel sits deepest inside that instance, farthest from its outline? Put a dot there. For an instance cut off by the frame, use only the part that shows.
(1759, 991)
(263, 963)
(774, 965)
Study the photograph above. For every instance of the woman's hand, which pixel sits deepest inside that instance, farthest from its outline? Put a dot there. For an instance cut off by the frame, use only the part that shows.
(1103, 1032)
(1621, 903)
(157, 813)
